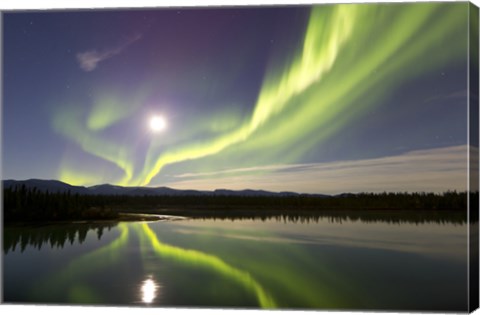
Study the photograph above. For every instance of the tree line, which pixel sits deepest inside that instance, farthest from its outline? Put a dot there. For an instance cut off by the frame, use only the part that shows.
(335, 216)
(30, 204)
(25, 204)
(53, 236)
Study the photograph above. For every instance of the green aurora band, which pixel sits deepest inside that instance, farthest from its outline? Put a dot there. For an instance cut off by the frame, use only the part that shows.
(68, 123)
(352, 58)
(72, 284)
(199, 259)
(71, 280)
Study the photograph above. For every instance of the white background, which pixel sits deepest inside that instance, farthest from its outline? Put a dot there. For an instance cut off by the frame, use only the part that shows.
(69, 310)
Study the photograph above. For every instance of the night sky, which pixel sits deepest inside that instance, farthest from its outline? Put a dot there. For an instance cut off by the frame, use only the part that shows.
(324, 99)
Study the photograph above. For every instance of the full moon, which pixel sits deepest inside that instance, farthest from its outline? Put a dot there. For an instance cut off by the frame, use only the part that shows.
(157, 123)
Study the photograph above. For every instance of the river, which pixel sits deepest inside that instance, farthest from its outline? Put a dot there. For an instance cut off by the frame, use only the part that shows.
(331, 263)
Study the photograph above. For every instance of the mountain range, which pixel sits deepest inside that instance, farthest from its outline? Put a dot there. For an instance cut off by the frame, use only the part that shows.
(55, 186)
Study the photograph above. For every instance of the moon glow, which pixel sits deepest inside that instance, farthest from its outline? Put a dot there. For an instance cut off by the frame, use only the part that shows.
(157, 123)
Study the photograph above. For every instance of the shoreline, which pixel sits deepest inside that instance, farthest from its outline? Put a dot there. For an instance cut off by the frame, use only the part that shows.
(176, 214)
(132, 216)
(122, 217)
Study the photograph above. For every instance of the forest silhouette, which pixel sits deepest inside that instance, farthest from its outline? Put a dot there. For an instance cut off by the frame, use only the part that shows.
(23, 204)
(52, 235)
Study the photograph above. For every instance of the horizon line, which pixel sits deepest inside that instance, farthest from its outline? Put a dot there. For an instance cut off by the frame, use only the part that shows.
(251, 189)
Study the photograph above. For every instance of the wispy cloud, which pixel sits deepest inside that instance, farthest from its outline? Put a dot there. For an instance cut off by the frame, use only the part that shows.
(456, 95)
(89, 60)
(271, 168)
(432, 170)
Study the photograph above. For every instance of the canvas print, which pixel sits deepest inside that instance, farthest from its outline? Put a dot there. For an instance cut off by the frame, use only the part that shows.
(309, 157)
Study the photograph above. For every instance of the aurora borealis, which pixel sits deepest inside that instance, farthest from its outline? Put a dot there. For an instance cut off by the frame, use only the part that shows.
(270, 98)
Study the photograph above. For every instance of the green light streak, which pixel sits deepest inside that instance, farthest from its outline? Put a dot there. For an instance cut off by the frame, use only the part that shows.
(334, 74)
(80, 292)
(74, 177)
(68, 122)
(352, 58)
(328, 106)
(81, 267)
(320, 50)
(198, 259)
(272, 99)
(107, 111)
(83, 126)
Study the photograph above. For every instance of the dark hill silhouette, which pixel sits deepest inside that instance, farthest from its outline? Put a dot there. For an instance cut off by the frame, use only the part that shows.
(52, 186)
(55, 186)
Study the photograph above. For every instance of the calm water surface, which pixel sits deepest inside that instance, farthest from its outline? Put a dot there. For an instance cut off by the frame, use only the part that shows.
(322, 264)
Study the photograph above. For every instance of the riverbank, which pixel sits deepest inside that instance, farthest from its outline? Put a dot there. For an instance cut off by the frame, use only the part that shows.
(122, 217)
